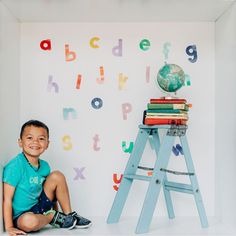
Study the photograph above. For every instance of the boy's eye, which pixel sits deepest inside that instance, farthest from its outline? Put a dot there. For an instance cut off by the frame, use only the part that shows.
(29, 138)
(42, 139)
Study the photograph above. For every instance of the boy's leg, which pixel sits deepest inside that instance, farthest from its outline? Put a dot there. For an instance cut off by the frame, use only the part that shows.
(55, 186)
(37, 221)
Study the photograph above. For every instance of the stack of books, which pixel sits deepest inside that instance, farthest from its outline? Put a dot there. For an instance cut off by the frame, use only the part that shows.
(166, 111)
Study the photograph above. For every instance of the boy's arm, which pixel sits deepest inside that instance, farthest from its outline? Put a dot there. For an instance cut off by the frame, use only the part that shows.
(8, 192)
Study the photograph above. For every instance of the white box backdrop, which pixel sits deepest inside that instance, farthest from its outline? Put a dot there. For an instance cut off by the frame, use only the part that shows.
(86, 143)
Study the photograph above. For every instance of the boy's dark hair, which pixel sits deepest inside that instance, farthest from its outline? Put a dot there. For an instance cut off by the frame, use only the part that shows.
(35, 123)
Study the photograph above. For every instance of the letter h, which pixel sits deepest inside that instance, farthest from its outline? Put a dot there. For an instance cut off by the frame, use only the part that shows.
(52, 84)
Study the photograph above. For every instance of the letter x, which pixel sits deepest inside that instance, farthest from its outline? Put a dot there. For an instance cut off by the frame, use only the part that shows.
(79, 174)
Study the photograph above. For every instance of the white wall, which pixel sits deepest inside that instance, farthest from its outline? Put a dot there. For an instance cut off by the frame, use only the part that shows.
(226, 115)
(224, 112)
(9, 89)
(94, 194)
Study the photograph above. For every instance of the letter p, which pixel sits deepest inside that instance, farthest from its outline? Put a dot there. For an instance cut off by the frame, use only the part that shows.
(126, 108)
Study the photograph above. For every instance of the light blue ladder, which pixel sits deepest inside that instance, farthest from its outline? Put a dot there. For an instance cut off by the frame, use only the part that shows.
(159, 176)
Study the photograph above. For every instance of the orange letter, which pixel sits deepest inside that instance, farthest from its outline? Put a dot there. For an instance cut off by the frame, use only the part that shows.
(70, 56)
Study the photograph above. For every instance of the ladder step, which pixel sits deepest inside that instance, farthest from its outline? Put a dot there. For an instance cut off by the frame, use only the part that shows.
(138, 177)
(178, 187)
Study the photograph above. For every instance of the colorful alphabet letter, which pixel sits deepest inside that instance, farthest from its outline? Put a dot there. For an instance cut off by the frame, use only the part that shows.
(79, 174)
(101, 79)
(52, 84)
(97, 103)
(46, 44)
(95, 143)
(129, 149)
(191, 50)
(116, 181)
(126, 108)
(67, 142)
(117, 50)
(122, 80)
(92, 44)
(78, 81)
(145, 44)
(70, 56)
(68, 111)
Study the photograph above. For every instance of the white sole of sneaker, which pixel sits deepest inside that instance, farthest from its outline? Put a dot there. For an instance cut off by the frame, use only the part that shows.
(73, 226)
(84, 226)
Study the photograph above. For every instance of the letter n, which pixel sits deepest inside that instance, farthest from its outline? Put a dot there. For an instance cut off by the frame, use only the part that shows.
(69, 112)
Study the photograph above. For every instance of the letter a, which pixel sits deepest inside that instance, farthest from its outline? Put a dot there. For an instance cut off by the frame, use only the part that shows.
(46, 44)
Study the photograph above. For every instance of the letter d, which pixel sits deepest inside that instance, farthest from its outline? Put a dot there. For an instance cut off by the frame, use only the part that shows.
(117, 50)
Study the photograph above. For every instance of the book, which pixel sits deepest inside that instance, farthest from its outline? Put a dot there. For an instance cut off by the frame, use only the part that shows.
(163, 115)
(169, 101)
(166, 111)
(156, 121)
(168, 106)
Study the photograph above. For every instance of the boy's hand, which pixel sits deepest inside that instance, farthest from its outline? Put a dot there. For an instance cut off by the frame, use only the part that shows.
(14, 231)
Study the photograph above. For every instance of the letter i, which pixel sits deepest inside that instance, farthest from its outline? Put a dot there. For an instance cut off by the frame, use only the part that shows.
(78, 82)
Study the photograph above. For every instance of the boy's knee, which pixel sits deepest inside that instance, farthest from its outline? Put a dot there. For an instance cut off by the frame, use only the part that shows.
(28, 223)
(56, 175)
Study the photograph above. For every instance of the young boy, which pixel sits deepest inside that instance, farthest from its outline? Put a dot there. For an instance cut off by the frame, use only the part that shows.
(31, 192)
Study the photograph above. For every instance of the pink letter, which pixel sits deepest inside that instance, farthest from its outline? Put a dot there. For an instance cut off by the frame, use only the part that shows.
(95, 144)
(126, 108)
(148, 74)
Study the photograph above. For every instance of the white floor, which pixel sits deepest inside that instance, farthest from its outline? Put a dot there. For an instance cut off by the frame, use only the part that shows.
(160, 226)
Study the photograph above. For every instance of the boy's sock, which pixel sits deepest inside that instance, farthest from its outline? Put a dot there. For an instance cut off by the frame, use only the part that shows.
(82, 222)
(62, 220)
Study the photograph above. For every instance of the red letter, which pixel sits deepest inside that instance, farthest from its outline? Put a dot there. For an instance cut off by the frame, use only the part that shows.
(46, 44)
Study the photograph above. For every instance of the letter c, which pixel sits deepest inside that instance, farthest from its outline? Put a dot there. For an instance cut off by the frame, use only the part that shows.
(92, 44)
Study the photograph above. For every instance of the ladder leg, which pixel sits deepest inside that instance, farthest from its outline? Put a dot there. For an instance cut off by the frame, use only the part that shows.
(125, 184)
(194, 183)
(155, 185)
(168, 200)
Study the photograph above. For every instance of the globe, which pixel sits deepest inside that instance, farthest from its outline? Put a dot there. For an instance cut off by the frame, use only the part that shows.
(170, 77)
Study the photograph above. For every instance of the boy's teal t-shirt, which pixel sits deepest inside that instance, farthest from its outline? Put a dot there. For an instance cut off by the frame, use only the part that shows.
(27, 180)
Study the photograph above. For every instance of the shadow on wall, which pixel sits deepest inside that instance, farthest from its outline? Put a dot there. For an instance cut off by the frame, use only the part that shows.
(1, 217)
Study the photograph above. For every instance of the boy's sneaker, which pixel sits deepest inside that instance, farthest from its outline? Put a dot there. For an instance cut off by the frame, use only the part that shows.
(82, 222)
(61, 220)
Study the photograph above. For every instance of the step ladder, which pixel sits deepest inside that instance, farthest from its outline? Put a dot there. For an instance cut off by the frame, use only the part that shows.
(159, 177)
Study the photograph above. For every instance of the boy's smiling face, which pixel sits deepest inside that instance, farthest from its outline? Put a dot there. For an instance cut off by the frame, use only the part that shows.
(34, 141)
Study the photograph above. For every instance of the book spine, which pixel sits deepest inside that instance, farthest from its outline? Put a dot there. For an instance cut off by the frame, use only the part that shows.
(166, 111)
(168, 101)
(149, 121)
(164, 116)
(168, 106)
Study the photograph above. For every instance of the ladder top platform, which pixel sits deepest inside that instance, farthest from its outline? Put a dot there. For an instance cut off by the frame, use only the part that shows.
(162, 126)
